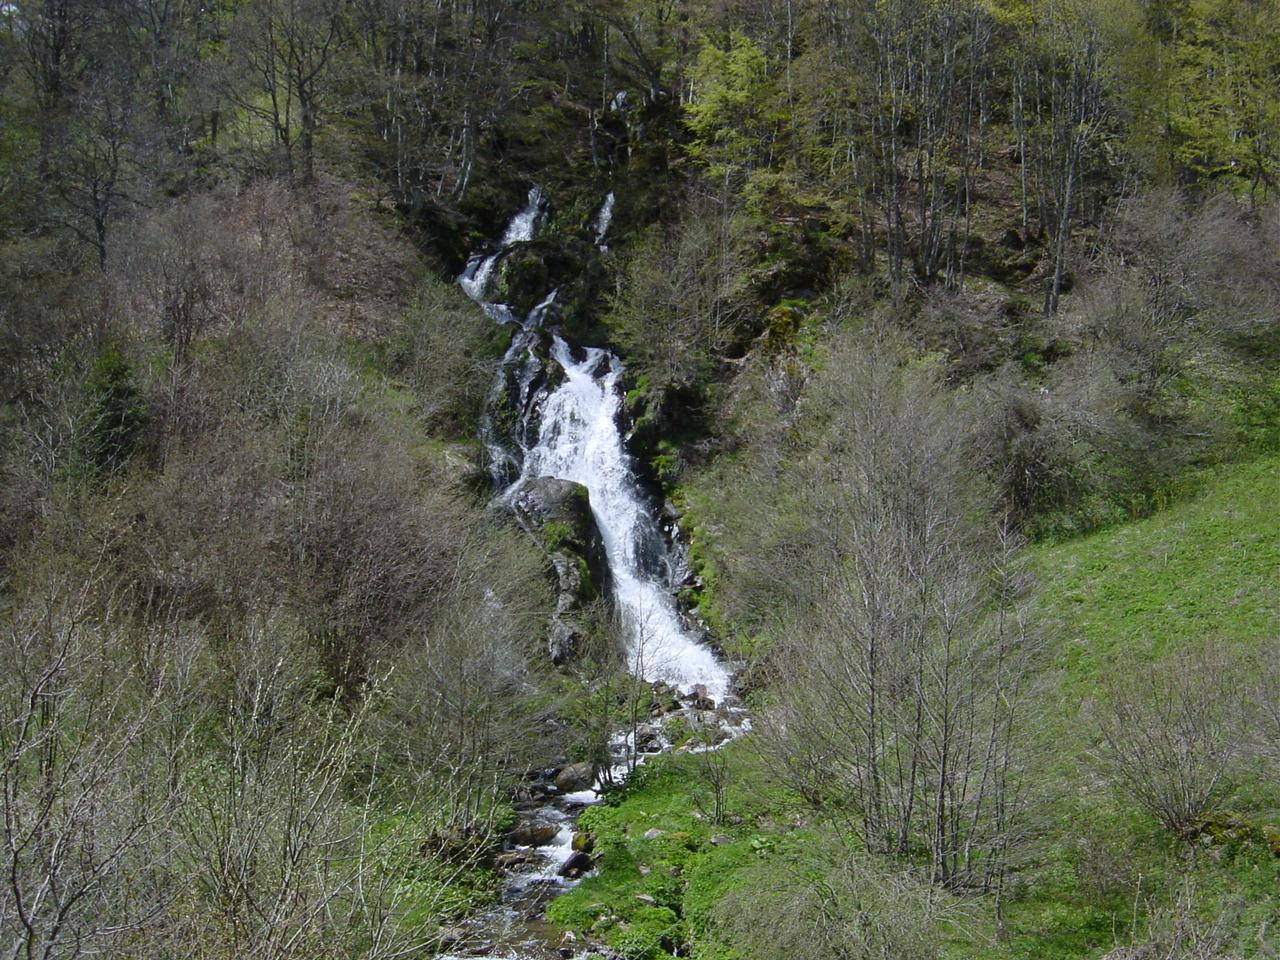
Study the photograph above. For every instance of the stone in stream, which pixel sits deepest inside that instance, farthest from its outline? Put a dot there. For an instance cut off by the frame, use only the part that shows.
(648, 738)
(449, 936)
(578, 864)
(583, 842)
(515, 859)
(576, 776)
(533, 834)
(698, 698)
(662, 708)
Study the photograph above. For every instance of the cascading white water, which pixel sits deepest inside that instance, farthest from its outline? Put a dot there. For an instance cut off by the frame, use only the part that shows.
(475, 279)
(578, 439)
(603, 220)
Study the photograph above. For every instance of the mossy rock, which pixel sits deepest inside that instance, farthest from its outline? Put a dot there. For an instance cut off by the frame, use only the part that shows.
(529, 271)
(1228, 829)
(1272, 836)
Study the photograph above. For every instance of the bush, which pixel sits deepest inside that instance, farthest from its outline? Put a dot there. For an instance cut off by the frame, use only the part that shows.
(112, 418)
(1170, 732)
(826, 902)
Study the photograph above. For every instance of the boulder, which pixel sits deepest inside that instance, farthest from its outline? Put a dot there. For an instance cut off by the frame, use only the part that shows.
(533, 834)
(576, 776)
(583, 842)
(542, 500)
(558, 512)
(664, 707)
(652, 834)
(563, 639)
(515, 859)
(648, 738)
(699, 699)
(578, 864)
(461, 463)
(449, 936)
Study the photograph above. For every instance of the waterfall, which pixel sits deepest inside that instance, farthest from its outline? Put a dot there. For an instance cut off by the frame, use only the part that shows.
(571, 431)
(603, 219)
(479, 272)
(579, 440)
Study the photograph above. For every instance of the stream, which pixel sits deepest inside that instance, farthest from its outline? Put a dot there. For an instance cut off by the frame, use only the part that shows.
(568, 425)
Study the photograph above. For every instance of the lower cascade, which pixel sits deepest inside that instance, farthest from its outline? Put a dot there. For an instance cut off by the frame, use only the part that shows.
(579, 440)
(569, 427)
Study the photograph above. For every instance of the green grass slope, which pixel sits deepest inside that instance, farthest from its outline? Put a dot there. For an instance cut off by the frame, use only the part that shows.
(1207, 568)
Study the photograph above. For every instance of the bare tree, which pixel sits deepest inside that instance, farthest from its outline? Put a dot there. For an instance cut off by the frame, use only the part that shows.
(89, 770)
(906, 668)
(284, 52)
(1170, 732)
(1071, 116)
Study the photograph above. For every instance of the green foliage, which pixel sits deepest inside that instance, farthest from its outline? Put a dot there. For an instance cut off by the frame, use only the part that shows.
(733, 112)
(112, 417)
(682, 302)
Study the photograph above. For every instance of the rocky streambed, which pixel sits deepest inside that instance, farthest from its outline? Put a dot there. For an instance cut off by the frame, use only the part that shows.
(544, 854)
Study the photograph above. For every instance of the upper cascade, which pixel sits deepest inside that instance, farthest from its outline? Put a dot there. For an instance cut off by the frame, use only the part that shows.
(479, 270)
(603, 221)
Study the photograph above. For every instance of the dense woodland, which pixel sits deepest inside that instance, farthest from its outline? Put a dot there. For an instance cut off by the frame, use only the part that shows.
(920, 301)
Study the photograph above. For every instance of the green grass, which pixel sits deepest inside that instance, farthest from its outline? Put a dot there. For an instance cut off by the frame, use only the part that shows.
(1207, 568)
(653, 893)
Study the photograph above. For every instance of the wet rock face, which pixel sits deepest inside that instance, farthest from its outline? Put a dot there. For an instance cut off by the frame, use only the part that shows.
(558, 512)
(576, 776)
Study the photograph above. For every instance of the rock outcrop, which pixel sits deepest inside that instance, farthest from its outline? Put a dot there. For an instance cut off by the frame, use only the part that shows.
(558, 512)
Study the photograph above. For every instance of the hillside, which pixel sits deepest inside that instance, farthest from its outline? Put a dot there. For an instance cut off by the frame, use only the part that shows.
(640, 478)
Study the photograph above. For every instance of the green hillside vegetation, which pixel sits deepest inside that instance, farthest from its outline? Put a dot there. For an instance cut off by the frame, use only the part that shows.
(1098, 875)
(951, 333)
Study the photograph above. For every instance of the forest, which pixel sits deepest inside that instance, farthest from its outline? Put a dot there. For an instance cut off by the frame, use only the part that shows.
(635, 479)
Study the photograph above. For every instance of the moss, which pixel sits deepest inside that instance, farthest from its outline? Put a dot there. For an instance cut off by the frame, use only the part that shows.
(556, 534)
(636, 396)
